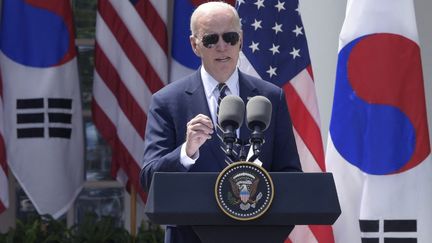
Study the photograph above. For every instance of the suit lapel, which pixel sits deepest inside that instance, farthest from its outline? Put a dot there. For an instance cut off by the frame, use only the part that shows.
(196, 98)
(198, 102)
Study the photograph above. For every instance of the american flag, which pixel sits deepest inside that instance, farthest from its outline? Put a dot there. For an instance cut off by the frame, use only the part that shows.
(275, 49)
(4, 192)
(130, 65)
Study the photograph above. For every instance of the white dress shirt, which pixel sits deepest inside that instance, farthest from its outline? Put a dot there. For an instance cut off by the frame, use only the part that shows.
(212, 95)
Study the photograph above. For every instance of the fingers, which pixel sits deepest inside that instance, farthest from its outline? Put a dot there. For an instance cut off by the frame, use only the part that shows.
(199, 129)
(200, 123)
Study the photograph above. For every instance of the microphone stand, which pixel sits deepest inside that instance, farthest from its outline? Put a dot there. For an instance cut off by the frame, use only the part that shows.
(242, 152)
(256, 141)
(230, 139)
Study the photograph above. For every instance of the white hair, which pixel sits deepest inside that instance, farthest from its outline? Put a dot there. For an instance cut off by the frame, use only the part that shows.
(209, 6)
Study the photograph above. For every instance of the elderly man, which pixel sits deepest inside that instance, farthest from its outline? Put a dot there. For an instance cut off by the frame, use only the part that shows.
(180, 133)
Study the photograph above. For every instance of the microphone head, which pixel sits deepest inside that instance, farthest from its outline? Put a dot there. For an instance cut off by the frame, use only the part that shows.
(258, 112)
(231, 111)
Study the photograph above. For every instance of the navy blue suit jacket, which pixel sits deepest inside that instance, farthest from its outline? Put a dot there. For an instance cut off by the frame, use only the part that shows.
(176, 104)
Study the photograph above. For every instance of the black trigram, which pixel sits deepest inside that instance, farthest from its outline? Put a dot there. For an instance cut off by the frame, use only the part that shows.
(34, 117)
(390, 230)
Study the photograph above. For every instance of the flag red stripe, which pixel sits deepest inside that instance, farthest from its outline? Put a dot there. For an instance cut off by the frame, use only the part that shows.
(2, 207)
(132, 50)
(121, 158)
(309, 69)
(3, 163)
(154, 22)
(127, 103)
(322, 232)
(305, 125)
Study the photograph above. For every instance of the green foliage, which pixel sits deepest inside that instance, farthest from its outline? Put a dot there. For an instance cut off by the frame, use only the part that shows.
(37, 229)
(96, 231)
(47, 230)
(149, 233)
(85, 18)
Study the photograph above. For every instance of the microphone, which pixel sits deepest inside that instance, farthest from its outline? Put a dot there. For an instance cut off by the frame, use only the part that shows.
(230, 117)
(259, 111)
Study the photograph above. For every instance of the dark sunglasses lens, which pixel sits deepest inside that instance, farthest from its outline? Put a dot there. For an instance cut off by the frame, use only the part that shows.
(210, 40)
(231, 37)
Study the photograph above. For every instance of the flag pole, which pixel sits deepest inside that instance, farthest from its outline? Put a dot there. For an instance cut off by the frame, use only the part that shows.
(133, 211)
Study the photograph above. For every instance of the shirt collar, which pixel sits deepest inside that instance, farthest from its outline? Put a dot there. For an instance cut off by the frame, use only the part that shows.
(210, 84)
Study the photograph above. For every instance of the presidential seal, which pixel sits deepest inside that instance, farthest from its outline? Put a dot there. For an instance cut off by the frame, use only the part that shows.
(244, 191)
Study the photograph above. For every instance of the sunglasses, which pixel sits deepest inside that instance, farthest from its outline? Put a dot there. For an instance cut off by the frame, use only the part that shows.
(210, 40)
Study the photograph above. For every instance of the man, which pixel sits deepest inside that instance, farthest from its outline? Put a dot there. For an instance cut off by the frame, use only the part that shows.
(180, 133)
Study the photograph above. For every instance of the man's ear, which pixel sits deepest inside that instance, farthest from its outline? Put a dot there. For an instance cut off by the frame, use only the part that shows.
(194, 45)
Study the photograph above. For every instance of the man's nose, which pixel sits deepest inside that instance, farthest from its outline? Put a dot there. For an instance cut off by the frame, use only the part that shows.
(221, 44)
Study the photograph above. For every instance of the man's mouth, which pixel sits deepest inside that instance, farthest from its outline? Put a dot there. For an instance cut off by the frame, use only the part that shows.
(224, 59)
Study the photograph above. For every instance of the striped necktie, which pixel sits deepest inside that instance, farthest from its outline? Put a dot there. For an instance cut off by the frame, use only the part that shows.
(222, 87)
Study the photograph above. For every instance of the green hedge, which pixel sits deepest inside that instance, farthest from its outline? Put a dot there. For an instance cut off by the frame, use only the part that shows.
(44, 229)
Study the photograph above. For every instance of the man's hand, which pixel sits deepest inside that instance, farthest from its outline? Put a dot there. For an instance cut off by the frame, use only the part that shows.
(198, 131)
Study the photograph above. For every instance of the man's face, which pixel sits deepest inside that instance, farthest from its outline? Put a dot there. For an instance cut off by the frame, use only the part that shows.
(219, 59)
